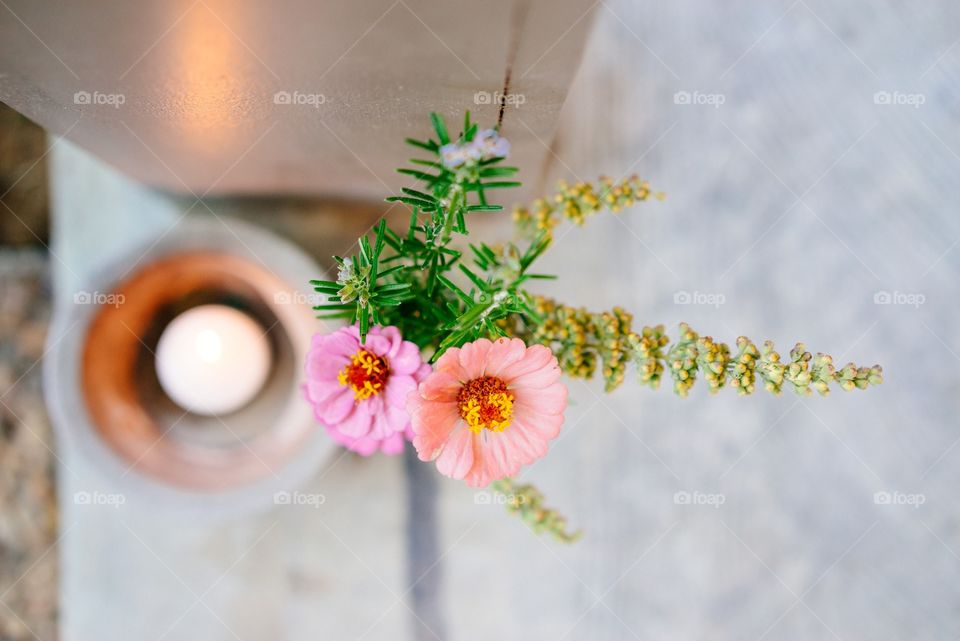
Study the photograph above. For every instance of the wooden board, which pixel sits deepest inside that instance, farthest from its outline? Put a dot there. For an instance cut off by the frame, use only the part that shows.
(303, 96)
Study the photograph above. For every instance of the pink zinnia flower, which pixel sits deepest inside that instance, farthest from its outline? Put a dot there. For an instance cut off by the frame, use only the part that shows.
(359, 391)
(487, 409)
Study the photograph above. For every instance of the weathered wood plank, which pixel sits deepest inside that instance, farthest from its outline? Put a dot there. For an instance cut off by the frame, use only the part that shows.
(303, 97)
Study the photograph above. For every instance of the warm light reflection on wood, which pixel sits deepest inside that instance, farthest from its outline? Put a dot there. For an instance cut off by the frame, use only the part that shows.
(208, 88)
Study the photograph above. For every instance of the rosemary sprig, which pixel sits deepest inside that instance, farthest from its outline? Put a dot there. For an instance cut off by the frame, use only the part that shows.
(419, 292)
(362, 291)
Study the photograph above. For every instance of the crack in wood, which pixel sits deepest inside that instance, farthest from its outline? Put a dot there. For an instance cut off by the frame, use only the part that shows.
(518, 19)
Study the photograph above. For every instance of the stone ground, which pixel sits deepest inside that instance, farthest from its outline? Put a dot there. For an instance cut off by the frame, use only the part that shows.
(28, 514)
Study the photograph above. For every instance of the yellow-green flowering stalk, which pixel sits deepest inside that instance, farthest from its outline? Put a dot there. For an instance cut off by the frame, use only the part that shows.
(526, 501)
(586, 342)
(580, 201)
(470, 309)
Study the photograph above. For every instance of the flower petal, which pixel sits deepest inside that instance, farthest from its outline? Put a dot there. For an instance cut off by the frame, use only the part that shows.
(440, 386)
(358, 423)
(545, 426)
(423, 372)
(549, 400)
(538, 357)
(406, 359)
(374, 404)
(456, 457)
(363, 445)
(393, 444)
(432, 423)
(399, 420)
(473, 357)
(318, 392)
(392, 334)
(493, 460)
(503, 353)
(343, 343)
(337, 407)
(379, 345)
(449, 362)
(324, 366)
(398, 389)
(525, 445)
(381, 427)
(502, 454)
(538, 380)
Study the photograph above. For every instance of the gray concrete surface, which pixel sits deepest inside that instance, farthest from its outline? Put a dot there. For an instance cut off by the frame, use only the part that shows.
(798, 199)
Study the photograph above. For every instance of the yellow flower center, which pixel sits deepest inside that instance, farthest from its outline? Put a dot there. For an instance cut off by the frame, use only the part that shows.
(367, 374)
(485, 403)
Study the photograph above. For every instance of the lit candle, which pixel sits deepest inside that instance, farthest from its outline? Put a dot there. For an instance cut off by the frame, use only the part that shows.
(212, 359)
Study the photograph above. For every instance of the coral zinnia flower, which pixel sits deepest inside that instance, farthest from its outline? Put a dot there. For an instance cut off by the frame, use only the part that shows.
(487, 409)
(358, 391)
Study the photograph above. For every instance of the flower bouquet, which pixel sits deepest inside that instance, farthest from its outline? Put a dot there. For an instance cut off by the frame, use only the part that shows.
(449, 348)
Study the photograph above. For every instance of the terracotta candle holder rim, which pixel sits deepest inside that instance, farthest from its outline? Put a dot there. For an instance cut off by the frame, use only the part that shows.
(110, 357)
(293, 445)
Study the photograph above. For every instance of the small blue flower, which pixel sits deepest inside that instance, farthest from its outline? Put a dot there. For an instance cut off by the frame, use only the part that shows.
(455, 154)
(487, 144)
(491, 144)
(452, 155)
